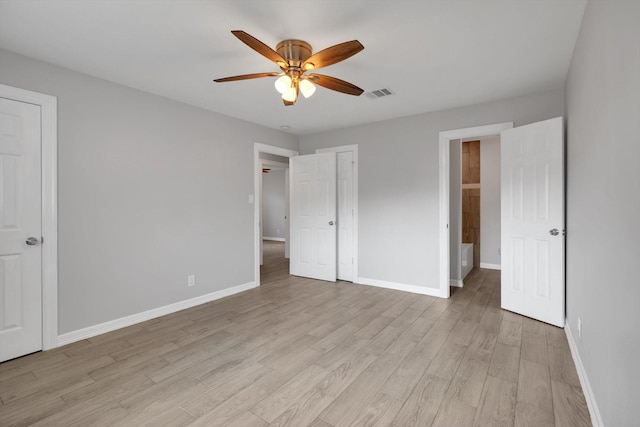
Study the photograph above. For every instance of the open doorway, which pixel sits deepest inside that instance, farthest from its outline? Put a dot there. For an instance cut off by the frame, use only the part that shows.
(474, 201)
(262, 155)
(274, 217)
(446, 138)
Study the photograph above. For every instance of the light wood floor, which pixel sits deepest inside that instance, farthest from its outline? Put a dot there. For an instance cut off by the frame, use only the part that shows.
(303, 352)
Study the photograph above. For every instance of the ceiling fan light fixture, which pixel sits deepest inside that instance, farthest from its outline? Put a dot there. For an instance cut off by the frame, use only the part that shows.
(295, 58)
(307, 88)
(283, 83)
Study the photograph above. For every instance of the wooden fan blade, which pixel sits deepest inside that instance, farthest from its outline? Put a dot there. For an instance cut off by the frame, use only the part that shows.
(260, 47)
(332, 54)
(246, 77)
(335, 84)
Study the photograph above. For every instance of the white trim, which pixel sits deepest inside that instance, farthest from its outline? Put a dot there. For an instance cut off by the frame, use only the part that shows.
(49, 145)
(596, 418)
(257, 190)
(444, 140)
(123, 322)
(490, 266)
(354, 149)
(275, 239)
(422, 290)
(456, 283)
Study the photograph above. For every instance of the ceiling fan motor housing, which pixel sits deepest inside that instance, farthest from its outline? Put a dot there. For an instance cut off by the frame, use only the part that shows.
(294, 51)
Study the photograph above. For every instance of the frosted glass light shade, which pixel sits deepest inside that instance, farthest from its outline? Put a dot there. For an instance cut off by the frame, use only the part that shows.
(307, 88)
(290, 94)
(283, 83)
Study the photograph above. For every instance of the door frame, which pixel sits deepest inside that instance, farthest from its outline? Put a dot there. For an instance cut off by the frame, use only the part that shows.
(445, 138)
(257, 195)
(354, 149)
(49, 165)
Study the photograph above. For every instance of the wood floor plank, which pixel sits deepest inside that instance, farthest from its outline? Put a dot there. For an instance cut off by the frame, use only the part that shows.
(453, 413)
(562, 367)
(534, 385)
(505, 362)
(373, 328)
(409, 371)
(277, 402)
(534, 347)
(532, 416)
(346, 407)
(497, 404)
(247, 419)
(306, 408)
(569, 406)
(422, 405)
(10, 370)
(232, 407)
(380, 412)
(510, 332)
(468, 381)
(446, 362)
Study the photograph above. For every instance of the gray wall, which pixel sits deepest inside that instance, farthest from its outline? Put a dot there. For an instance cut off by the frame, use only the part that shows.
(490, 200)
(398, 181)
(149, 191)
(455, 208)
(603, 205)
(273, 203)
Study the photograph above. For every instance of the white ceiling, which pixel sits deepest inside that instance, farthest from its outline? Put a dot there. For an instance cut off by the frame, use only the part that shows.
(433, 55)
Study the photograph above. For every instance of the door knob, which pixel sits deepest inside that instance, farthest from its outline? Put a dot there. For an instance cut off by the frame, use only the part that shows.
(554, 232)
(330, 222)
(32, 241)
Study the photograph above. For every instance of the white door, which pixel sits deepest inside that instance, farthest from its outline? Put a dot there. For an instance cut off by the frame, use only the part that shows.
(20, 219)
(345, 215)
(313, 216)
(532, 174)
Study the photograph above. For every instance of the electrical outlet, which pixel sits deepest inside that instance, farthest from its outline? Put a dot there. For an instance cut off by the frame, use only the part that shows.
(579, 327)
(191, 280)
(278, 231)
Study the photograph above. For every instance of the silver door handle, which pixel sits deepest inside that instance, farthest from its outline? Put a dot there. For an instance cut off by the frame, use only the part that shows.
(554, 232)
(330, 222)
(32, 241)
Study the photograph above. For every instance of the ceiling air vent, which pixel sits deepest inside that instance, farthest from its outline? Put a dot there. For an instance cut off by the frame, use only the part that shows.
(380, 93)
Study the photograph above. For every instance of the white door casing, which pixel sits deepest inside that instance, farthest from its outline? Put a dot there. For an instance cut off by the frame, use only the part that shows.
(532, 187)
(20, 218)
(313, 216)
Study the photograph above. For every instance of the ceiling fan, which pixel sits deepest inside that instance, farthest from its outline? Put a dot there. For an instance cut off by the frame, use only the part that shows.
(295, 59)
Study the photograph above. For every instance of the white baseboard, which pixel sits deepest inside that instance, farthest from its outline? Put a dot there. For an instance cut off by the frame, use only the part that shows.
(596, 418)
(490, 266)
(456, 283)
(275, 239)
(434, 292)
(123, 322)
